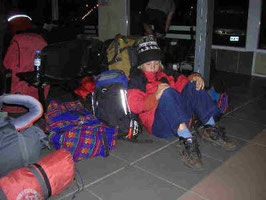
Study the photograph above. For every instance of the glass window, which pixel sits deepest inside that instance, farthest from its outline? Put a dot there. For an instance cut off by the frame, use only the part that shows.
(262, 36)
(230, 22)
(186, 13)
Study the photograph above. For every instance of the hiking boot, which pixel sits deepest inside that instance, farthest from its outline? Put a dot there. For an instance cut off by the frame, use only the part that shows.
(194, 123)
(216, 135)
(190, 153)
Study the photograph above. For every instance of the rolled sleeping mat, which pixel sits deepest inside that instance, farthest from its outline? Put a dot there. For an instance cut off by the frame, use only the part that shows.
(34, 106)
(48, 177)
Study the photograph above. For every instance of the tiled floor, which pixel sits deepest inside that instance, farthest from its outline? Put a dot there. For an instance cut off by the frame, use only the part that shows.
(153, 171)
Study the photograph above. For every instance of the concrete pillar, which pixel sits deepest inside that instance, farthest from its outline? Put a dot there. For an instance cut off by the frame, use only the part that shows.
(253, 25)
(204, 26)
(55, 10)
(113, 18)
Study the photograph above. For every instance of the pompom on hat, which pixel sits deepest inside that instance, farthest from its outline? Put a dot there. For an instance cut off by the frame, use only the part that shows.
(148, 50)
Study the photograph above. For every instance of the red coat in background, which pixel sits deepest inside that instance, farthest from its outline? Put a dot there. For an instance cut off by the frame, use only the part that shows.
(19, 58)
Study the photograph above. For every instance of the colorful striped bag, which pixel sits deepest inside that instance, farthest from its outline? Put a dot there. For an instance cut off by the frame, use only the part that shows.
(72, 127)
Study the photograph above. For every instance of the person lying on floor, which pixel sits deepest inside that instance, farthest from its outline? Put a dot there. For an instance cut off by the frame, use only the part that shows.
(165, 106)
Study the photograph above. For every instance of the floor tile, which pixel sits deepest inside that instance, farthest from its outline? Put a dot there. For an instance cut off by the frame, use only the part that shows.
(132, 151)
(255, 112)
(243, 129)
(93, 169)
(239, 131)
(236, 100)
(242, 177)
(83, 195)
(132, 184)
(71, 189)
(261, 138)
(168, 165)
(217, 152)
(190, 196)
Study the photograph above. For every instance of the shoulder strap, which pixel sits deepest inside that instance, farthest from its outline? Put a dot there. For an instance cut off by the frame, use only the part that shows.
(116, 47)
(85, 57)
(18, 52)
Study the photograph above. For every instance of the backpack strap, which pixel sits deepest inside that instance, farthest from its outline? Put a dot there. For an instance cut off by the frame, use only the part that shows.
(116, 47)
(18, 52)
(38, 176)
(85, 58)
(105, 143)
(41, 176)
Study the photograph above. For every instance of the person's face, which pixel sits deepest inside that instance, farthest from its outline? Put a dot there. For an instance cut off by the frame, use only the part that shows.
(152, 66)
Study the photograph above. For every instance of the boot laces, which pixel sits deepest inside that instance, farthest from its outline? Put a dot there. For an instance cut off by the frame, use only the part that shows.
(192, 148)
(218, 133)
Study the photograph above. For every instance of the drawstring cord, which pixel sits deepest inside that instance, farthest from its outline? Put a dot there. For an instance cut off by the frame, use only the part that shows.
(79, 183)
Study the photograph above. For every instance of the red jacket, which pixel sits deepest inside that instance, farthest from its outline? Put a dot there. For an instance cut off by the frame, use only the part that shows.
(141, 94)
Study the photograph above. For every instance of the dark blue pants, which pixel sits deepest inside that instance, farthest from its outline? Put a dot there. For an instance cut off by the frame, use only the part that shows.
(175, 108)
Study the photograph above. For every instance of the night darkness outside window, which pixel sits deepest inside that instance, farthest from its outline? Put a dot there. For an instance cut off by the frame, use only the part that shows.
(262, 36)
(230, 23)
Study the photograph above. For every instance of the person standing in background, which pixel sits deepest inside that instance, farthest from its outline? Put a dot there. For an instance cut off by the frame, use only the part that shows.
(158, 13)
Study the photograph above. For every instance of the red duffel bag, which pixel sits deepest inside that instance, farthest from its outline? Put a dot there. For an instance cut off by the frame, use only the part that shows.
(48, 177)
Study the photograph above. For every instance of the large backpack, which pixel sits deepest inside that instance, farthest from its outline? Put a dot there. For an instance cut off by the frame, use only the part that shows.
(20, 142)
(121, 53)
(73, 59)
(109, 101)
(19, 58)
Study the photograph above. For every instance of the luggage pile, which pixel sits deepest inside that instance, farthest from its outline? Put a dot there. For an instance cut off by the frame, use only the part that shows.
(23, 175)
(75, 132)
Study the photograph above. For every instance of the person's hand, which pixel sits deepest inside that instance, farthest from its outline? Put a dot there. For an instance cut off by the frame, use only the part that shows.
(160, 89)
(199, 82)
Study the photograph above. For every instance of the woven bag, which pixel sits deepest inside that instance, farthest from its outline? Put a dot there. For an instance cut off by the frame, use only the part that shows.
(72, 127)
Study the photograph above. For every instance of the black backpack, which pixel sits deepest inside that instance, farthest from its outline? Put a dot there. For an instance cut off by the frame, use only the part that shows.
(109, 103)
(72, 59)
